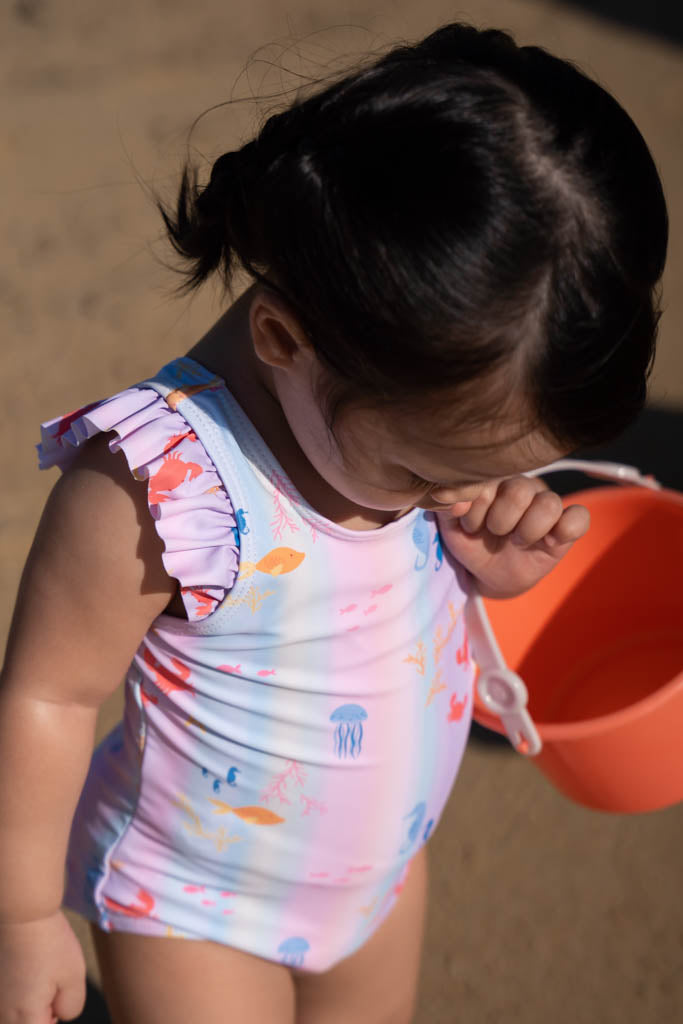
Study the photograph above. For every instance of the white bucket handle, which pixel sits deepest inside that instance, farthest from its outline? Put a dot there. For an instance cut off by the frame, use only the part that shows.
(500, 689)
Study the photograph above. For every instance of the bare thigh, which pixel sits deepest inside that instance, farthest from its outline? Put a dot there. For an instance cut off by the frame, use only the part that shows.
(377, 984)
(158, 980)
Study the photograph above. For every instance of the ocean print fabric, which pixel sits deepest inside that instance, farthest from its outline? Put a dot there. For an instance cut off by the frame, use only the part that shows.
(285, 751)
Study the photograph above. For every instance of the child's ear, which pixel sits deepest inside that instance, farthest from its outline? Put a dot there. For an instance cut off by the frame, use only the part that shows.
(278, 337)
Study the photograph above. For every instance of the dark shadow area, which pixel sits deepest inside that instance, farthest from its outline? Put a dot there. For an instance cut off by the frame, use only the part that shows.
(95, 1010)
(663, 18)
(653, 444)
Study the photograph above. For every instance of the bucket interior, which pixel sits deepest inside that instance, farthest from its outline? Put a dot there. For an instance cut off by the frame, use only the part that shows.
(615, 636)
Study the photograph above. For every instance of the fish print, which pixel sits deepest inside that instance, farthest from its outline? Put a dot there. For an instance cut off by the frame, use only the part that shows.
(252, 815)
(382, 590)
(275, 563)
(349, 608)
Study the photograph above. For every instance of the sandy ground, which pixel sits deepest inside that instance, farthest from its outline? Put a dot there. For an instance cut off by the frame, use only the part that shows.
(540, 910)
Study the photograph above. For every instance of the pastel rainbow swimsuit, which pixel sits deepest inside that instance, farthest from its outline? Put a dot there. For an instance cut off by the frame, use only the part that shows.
(286, 750)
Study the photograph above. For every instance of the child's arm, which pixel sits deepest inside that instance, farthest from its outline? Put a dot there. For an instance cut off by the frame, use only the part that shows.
(93, 583)
(512, 535)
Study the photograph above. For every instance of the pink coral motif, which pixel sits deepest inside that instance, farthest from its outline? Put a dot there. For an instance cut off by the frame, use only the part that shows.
(171, 474)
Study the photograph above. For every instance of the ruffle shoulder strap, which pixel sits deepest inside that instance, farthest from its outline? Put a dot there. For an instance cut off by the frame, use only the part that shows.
(192, 511)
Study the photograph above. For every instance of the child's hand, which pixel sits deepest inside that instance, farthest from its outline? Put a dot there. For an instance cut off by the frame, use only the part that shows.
(42, 971)
(512, 534)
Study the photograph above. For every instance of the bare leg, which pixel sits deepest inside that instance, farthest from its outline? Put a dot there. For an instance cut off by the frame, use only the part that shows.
(158, 980)
(378, 983)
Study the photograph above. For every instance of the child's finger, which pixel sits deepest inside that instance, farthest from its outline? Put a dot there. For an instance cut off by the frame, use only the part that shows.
(574, 523)
(540, 519)
(474, 518)
(517, 502)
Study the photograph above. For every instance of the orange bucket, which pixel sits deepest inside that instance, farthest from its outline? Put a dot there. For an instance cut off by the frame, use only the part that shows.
(593, 686)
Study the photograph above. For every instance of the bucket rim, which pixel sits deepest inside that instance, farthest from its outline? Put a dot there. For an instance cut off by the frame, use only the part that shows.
(558, 731)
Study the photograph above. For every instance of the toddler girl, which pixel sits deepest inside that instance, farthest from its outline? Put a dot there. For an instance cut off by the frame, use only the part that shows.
(454, 254)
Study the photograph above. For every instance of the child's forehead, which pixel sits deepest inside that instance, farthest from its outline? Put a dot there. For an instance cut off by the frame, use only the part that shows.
(435, 447)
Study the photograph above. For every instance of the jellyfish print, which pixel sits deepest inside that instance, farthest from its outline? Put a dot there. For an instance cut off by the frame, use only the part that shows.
(348, 735)
(293, 951)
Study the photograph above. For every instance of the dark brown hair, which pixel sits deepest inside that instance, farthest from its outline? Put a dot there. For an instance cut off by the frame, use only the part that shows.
(461, 210)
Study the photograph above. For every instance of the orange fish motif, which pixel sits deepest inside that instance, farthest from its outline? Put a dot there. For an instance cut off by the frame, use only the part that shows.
(170, 475)
(143, 908)
(174, 398)
(252, 815)
(165, 679)
(275, 563)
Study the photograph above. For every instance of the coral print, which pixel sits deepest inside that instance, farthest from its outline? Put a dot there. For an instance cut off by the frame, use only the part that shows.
(441, 639)
(294, 775)
(282, 519)
(194, 826)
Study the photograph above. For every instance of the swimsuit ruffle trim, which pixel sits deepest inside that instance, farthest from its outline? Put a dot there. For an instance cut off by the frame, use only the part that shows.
(187, 500)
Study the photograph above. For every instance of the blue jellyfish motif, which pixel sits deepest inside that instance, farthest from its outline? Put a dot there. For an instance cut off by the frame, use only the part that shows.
(241, 517)
(417, 813)
(293, 951)
(230, 777)
(422, 542)
(348, 735)
(439, 552)
(428, 829)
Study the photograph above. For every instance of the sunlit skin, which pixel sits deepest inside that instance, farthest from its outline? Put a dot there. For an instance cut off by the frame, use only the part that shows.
(507, 530)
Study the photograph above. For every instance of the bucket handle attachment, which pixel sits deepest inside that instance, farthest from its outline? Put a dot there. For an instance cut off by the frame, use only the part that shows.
(500, 689)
